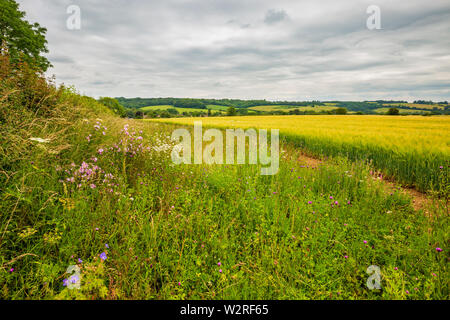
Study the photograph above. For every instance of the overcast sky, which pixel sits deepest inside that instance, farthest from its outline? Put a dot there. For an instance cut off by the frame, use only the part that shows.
(250, 49)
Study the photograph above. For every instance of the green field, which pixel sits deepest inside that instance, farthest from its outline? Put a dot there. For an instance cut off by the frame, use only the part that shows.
(288, 108)
(415, 106)
(217, 109)
(401, 111)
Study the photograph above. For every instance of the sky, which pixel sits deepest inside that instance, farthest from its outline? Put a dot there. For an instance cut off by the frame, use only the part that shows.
(250, 49)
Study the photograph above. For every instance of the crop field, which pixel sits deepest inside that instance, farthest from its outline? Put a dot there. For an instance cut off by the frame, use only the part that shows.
(101, 193)
(180, 110)
(415, 105)
(106, 199)
(288, 108)
(414, 150)
(402, 110)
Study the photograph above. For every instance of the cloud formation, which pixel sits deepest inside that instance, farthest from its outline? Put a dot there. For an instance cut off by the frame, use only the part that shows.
(276, 50)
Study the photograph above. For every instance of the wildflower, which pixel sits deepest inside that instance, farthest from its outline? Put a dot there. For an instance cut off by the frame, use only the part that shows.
(395, 268)
(434, 274)
(80, 261)
(309, 202)
(106, 246)
(65, 282)
(220, 270)
(346, 257)
(103, 256)
(179, 283)
(11, 270)
(336, 203)
(331, 197)
(365, 241)
(96, 229)
(100, 151)
(438, 249)
(74, 279)
(441, 167)
(407, 292)
(93, 186)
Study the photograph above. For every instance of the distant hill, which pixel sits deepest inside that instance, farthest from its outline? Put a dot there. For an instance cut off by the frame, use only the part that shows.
(187, 105)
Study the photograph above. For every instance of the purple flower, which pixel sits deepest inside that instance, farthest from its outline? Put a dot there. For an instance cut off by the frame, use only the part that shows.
(103, 256)
(331, 197)
(11, 270)
(346, 257)
(365, 241)
(220, 270)
(80, 261)
(438, 249)
(309, 202)
(65, 282)
(219, 264)
(106, 246)
(74, 279)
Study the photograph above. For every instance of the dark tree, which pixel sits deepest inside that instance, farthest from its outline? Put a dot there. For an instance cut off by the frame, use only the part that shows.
(24, 41)
(114, 105)
(341, 111)
(231, 111)
(393, 112)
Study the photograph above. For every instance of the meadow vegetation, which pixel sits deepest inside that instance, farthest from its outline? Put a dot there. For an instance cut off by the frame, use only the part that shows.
(81, 186)
(412, 150)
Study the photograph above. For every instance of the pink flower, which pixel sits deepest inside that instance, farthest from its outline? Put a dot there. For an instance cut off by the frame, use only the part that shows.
(219, 264)
(220, 270)
(346, 257)
(438, 249)
(100, 151)
(93, 186)
(365, 241)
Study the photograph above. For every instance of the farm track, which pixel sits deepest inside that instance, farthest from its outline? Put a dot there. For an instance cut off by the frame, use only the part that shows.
(420, 200)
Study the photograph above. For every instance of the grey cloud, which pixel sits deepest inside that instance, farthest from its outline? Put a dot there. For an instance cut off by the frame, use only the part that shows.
(250, 49)
(274, 16)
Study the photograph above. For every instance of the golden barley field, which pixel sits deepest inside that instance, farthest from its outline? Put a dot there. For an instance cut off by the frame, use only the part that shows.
(413, 149)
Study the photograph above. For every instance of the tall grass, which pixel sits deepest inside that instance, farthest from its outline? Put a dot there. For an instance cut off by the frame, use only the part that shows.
(101, 193)
(412, 150)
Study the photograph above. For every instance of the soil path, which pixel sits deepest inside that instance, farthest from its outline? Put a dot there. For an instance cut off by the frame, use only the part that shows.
(420, 200)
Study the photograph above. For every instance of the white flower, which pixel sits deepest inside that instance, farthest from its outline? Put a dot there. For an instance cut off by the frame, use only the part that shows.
(40, 140)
